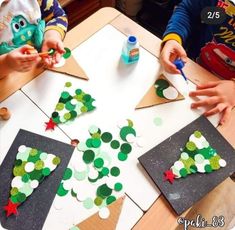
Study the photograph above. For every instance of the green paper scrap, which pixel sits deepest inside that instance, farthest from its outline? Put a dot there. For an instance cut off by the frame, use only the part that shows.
(95, 164)
(31, 167)
(197, 157)
(72, 103)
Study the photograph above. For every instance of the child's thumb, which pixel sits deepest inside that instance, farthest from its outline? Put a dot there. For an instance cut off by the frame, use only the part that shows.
(25, 48)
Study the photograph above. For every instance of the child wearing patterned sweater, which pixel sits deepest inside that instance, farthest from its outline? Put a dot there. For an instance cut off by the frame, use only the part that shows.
(212, 46)
(24, 24)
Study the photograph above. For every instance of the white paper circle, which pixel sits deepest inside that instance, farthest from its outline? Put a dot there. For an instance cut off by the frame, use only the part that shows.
(222, 163)
(170, 93)
(34, 184)
(122, 123)
(130, 138)
(93, 174)
(29, 167)
(140, 142)
(22, 149)
(16, 182)
(104, 213)
(178, 165)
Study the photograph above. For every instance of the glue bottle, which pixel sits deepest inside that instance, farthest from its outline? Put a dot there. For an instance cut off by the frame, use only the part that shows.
(130, 50)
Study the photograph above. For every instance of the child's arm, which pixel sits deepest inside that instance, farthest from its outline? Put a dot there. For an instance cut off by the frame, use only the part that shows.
(178, 31)
(17, 60)
(56, 27)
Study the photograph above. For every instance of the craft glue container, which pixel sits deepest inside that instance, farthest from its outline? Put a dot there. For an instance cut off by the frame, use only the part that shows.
(130, 50)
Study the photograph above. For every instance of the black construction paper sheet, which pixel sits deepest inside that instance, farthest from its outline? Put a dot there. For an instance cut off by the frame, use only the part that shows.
(34, 210)
(184, 192)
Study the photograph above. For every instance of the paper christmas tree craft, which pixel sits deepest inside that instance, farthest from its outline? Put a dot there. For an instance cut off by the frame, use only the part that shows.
(197, 157)
(161, 92)
(31, 167)
(72, 103)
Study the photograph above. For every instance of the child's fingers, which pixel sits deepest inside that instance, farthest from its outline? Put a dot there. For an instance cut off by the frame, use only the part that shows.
(219, 108)
(226, 115)
(203, 92)
(167, 64)
(206, 102)
(208, 85)
(60, 47)
(57, 57)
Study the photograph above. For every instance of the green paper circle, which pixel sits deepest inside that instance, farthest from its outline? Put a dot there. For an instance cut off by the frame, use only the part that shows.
(59, 106)
(61, 191)
(125, 131)
(190, 146)
(208, 168)
(25, 178)
(68, 84)
(105, 171)
(106, 137)
(21, 197)
(197, 134)
(161, 83)
(46, 171)
(67, 174)
(118, 187)
(88, 203)
(110, 200)
(88, 156)
(96, 143)
(115, 171)
(67, 53)
(39, 165)
(98, 201)
(122, 156)
(115, 144)
(89, 143)
(183, 172)
(104, 190)
(98, 163)
(126, 148)
(14, 191)
(18, 162)
(56, 161)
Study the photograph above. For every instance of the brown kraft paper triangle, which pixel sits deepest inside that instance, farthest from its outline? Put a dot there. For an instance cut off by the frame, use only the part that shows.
(94, 222)
(71, 67)
(151, 98)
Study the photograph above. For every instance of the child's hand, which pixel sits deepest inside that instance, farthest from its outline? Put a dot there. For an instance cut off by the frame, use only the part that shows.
(171, 51)
(52, 40)
(220, 96)
(18, 60)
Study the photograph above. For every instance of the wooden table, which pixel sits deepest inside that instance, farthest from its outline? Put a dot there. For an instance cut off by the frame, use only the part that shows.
(160, 215)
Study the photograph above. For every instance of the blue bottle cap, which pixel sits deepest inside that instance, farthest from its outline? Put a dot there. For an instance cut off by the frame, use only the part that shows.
(179, 64)
(132, 40)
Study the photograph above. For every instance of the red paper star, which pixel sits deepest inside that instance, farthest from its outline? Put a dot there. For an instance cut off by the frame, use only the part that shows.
(168, 175)
(50, 125)
(11, 208)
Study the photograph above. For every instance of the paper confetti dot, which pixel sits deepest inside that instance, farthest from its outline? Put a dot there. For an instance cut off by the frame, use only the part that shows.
(88, 203)
(140, 142)
(158, 121)
(222, 163)
(16, 182)
(22, 149)
(104, 213)
(170, 93)
(74, 228)
(34, 184)
(29, 167)
(130, 138)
